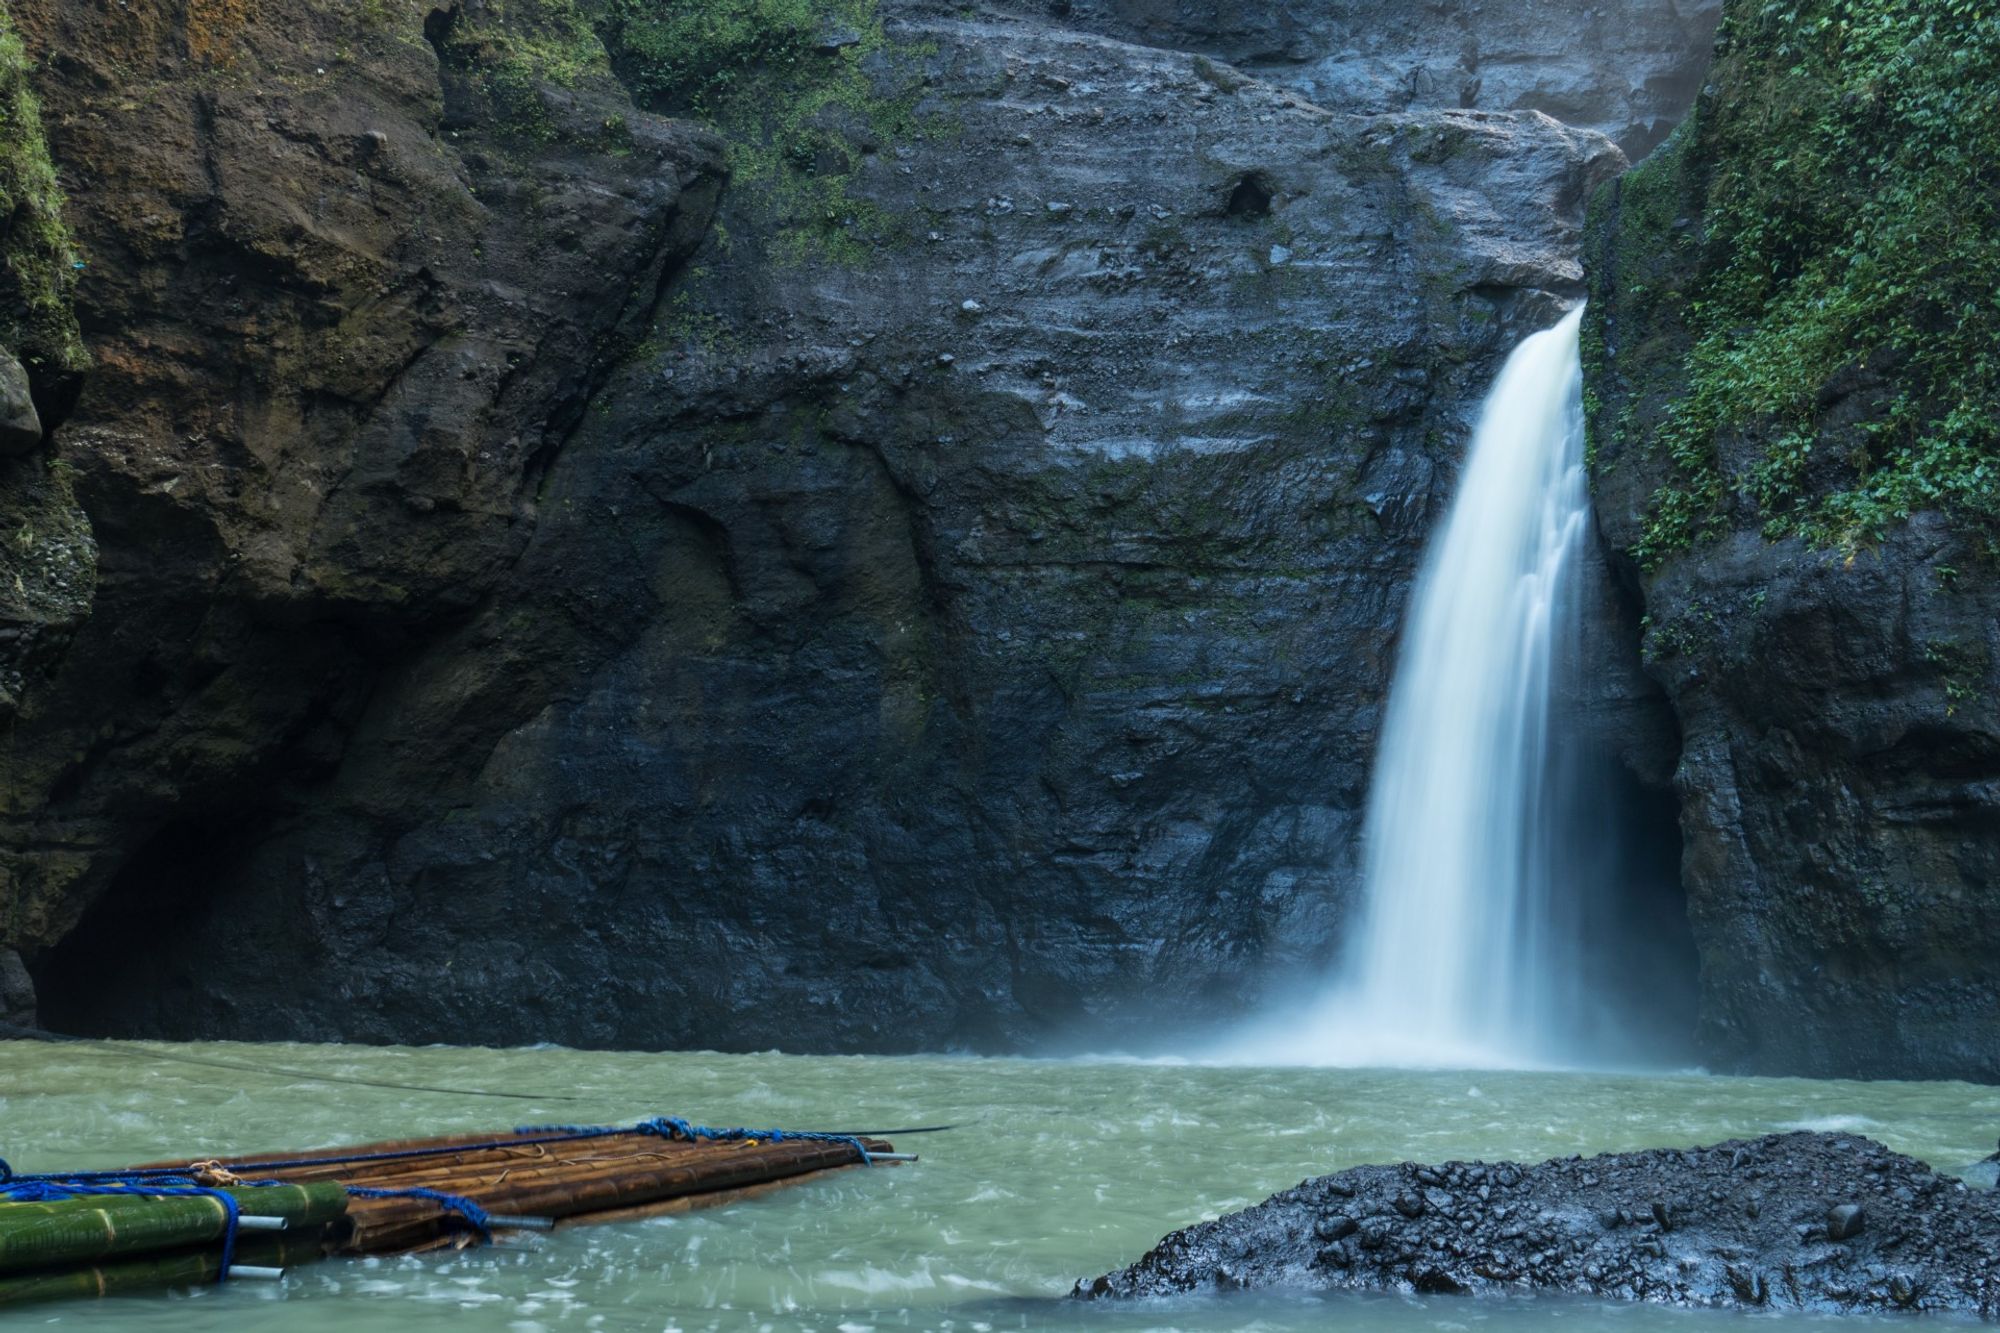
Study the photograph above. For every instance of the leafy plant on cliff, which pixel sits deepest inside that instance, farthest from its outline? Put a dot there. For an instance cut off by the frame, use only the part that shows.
(1844, 304)
(802, 90)
(36, 321)
(511, 51)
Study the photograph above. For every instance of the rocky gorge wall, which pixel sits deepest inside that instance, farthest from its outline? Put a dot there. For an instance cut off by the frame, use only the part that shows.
(345, 305)
(1792, 393)
(914, 563)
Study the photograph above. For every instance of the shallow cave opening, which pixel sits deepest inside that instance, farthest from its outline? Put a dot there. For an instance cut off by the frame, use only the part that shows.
(1251, 196)
(128, 967)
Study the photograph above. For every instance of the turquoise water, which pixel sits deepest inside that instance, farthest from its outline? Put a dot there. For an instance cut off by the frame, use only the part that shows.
(1064, 1170)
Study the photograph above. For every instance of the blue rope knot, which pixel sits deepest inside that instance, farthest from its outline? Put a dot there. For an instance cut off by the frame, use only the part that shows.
(475, 1216)
(672, 1127)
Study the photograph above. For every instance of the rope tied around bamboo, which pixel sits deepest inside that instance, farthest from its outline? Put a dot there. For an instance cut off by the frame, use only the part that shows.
(56, 1218)
(176, 1222)
(477, 1217)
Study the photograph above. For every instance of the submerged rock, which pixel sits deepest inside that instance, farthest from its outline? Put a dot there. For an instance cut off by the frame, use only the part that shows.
(1826, 1222)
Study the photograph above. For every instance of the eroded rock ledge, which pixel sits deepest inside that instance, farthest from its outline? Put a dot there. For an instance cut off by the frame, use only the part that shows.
(1825, 1222)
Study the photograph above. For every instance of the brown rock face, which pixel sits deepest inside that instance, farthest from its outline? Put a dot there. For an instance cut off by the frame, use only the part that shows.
(352, 274)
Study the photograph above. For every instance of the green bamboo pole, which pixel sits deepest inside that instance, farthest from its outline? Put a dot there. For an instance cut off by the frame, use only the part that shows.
(178, 1268)
(81, 1230)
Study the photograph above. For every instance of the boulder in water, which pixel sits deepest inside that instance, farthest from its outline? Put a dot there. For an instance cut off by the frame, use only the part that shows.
(1804, 1221)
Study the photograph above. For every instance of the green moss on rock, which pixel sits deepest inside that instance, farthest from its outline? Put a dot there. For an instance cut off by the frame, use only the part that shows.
(1795, 321)
(40, 264)
(512, 52)
(802, 90)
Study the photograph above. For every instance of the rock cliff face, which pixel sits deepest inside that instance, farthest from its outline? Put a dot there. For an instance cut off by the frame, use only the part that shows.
(947, 601)
(1779, 449)
(345, 308)
(1629, 71)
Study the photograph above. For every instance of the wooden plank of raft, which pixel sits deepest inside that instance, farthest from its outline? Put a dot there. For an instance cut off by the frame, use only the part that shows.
(462, 1176)
(688, 1203)
(568, 1192)
(600, 1177)
(287, 1157)
(299, 1167)
(447, 1163)
(612, 1177)
(531, 1155)
(655, 1175)
(684, 1203)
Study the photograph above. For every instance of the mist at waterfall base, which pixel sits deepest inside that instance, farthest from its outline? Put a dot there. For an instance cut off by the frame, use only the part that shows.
(1499, 926)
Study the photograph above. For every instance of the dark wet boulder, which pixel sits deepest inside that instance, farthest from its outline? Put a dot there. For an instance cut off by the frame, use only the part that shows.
(1824, 1222)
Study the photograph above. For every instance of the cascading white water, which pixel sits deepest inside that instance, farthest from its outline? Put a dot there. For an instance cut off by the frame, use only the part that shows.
(1465, 953)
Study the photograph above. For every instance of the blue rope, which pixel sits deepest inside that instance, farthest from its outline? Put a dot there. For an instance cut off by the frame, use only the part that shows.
(673, 1127)
(478, 1217)
(51, 1188)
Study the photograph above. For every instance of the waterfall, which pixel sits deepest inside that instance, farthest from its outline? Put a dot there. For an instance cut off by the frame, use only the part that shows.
(1467, 951)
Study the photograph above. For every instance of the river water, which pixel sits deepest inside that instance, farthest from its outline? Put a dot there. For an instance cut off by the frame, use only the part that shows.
(1064, 1170)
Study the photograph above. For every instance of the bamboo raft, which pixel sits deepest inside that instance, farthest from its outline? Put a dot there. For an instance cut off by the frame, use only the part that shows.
(187, 1222)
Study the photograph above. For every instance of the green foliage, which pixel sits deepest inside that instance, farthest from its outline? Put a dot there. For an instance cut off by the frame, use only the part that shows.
(1961, 669)
(512, 51)
(802, 90)
(36, 320)
(696, 58)
(685, 327)
(1844, 308)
